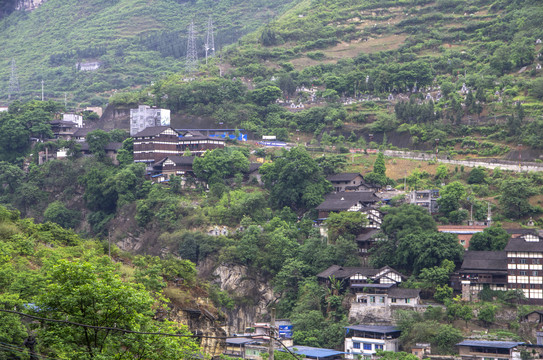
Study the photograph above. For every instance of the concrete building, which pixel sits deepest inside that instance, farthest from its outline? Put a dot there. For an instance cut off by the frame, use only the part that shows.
(464, 233)
(488, 350)
(365, 340)
(145, 116)
(425, 198)
(77, 119)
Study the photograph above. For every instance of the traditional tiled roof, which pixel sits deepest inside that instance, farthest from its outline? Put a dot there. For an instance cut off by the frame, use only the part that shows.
(402, 293)
(83, 131)
(484, 260)
(346, 272)
(520, 244)
(367, 235)
(152, 131)
(343, 177)
(340, 272)
(112, 146)
(181, 160)
(345, 200)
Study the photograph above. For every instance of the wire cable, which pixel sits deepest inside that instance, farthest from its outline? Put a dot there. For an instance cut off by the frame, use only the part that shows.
(135, 332)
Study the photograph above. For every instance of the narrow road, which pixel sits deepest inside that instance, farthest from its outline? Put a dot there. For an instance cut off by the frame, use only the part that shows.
(502, 164)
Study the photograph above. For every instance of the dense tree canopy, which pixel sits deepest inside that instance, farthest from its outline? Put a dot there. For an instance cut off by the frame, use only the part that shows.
(295, 180)
(493, 238)
(220, 164)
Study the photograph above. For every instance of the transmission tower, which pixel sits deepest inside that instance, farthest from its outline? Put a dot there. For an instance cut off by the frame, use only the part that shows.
(13, 81)
(192, 56)
(210, 40)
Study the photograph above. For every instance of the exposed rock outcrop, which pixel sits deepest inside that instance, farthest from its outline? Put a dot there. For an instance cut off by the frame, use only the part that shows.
(251, 292)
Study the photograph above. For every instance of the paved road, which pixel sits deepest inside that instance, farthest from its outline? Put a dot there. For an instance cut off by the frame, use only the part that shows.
(502, 164)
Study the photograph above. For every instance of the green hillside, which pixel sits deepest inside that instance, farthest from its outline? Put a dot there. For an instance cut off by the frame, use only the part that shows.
(452, 68)
(136, 42)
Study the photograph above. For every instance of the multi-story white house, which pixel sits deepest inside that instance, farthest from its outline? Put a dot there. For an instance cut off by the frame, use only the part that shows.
(365, 340)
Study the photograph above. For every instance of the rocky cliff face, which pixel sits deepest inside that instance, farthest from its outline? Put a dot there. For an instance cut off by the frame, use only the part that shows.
(202, 322)
(251, 292)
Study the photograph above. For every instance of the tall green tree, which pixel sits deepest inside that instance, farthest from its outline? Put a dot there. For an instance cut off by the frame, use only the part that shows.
(91, 293)
(450, 197)
(220, 164)
(493, 238)
(295, 180)
(514, 197)
(97, 140)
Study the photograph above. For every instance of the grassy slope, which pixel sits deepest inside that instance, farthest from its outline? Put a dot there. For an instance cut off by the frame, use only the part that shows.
(60, 26)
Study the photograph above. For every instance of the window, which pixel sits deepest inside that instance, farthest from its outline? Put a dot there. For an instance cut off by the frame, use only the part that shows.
(378, 347)
(407, 301)
(367, 346)
(522, 273)
(393, 300)
(535, 273)
(372, 299)
(522, 261)
(356, 345)
(535, 261)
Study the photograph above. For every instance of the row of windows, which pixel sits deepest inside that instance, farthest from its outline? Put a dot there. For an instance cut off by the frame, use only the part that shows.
(367, 346)
(525, 272)
(518, 254)
(524, 261)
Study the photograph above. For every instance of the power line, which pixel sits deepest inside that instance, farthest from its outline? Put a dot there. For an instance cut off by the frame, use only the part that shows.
(19, 349)
(66, 322)
(210, 39)
(191, 64)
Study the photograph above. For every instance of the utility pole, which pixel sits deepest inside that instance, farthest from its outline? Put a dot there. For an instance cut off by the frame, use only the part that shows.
(13, 81)
(272, 334)
(191, 64)
(65, 101)
(210, 39)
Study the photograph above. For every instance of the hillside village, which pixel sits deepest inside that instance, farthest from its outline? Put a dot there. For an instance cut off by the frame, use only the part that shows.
(345, 180)
(372, 295)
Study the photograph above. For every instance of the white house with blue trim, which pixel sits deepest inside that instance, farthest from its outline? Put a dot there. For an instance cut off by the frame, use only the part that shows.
(365, 340)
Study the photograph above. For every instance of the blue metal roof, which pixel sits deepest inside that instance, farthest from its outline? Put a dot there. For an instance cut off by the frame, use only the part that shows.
(314, 352)
(239, 340)
(490, 344)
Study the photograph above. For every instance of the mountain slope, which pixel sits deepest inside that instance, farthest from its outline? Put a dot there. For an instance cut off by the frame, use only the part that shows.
(135, 41)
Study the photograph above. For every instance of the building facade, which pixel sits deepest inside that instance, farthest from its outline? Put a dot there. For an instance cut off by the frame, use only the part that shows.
(425, 198)
(145, 116)
(155, 143)
(525, 266)
(365, 340)
(488, 350)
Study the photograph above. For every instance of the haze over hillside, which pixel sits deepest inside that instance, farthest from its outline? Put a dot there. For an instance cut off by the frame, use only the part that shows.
(133, 41)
